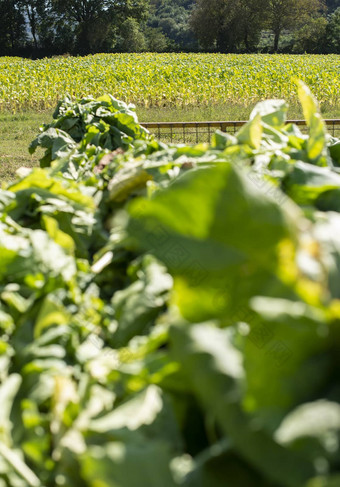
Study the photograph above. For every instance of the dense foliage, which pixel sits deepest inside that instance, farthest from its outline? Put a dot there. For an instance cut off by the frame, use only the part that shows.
(167, 80)
(169, 315)
(39, 28)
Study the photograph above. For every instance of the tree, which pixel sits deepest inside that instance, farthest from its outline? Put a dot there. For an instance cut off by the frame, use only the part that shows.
(251, 15)
(34, 11)
(291, 15)
(228, 25)
(311, 35)
(332, 5)
(56, 33)
(310, 26)
(206, 24)
(155, 39)
(333, 32)
(280, 16)
(12, 27)
(97, 22)
(171, 17)
(132, 38)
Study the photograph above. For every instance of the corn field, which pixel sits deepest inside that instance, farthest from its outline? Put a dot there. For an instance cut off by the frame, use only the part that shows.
(169, 80)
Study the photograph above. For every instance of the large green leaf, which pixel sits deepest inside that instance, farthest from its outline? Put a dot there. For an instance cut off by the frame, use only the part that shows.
(316, 143)
(209, 242)
(214, 369)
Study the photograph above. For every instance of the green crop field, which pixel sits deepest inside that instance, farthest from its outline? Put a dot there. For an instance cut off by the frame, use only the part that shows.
(165, 87)
(168, 80)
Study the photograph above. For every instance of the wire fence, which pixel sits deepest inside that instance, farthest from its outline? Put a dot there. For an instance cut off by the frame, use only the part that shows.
(195, 132)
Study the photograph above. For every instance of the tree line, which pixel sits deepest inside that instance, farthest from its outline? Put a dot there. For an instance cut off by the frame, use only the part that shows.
(270, 25)
(37, 28)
